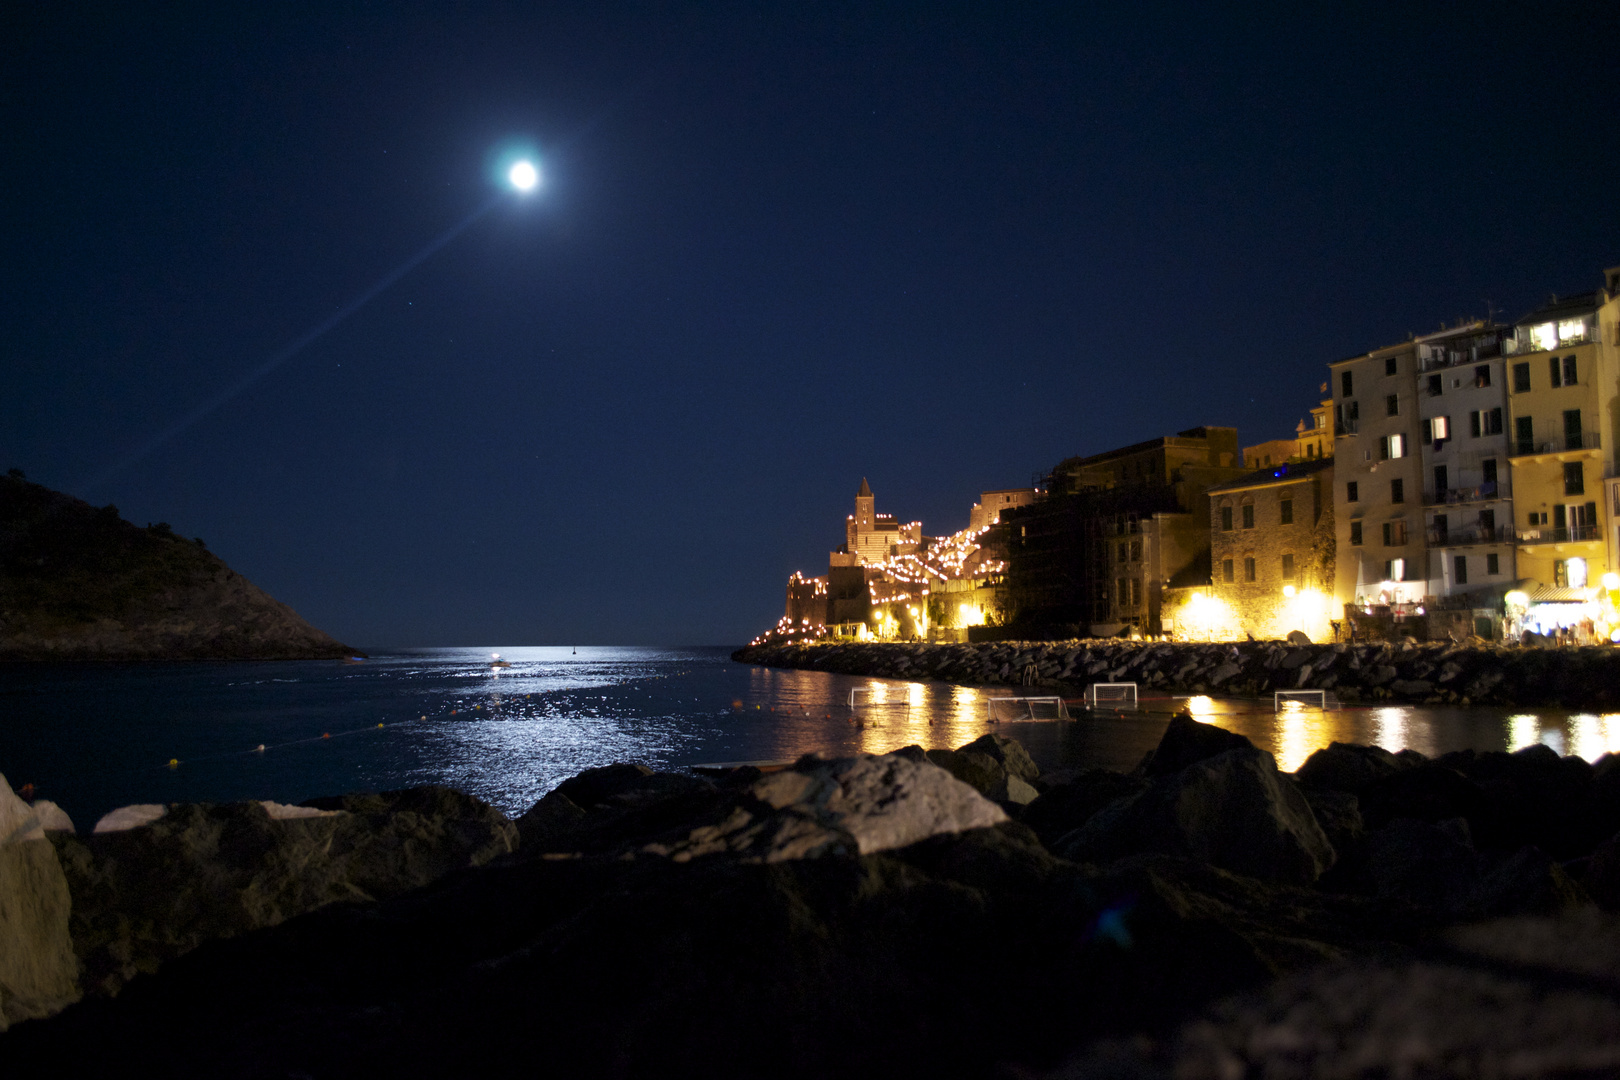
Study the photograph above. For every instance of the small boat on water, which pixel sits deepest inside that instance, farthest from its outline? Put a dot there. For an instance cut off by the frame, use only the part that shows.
(496, 663)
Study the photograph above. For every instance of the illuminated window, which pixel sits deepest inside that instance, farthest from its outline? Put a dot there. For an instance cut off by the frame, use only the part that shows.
(1395, 570)
(1355, 533)
(1392, 446)
(1572, 330)
(1482, 376)
(1544, 336)
(1394, 535)
(1439, 429)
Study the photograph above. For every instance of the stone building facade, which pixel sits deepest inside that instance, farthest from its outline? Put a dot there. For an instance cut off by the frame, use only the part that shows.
(1272, 555)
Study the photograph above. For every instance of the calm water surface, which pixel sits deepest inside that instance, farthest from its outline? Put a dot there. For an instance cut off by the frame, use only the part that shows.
(93, 737)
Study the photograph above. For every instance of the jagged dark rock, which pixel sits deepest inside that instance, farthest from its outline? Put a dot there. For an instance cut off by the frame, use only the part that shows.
(144, 896)
(81, 583)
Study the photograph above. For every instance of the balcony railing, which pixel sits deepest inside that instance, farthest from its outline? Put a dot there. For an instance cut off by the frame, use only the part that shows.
(1478, 534)
(1459, 495)
(1575, 534)
(1575, 440)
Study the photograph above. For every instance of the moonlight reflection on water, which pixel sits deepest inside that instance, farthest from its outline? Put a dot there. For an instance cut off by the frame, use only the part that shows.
(96, 737)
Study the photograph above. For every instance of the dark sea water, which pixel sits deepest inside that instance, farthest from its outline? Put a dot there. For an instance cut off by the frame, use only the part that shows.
(94, 737)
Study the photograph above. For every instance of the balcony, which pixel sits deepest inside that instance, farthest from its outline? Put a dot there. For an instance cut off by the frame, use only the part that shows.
(1461, 495)
(1575, 440)
(1479, 534)
(1575, 534)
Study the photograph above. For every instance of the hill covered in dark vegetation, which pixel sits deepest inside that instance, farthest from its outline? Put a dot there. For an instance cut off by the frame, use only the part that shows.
(79, 582)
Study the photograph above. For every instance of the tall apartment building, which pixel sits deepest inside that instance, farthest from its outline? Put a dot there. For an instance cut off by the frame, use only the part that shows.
(1563, 398)
(1382, 553)
(1468, 491)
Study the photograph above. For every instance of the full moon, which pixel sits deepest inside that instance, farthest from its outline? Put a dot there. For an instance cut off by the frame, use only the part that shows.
(524, 176)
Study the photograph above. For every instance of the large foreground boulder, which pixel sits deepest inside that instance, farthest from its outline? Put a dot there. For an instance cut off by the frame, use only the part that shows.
(965, 954)
(145, 895)
(38, 973)
(1233, 810)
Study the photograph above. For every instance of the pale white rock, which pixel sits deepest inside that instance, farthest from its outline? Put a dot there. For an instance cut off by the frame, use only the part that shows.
(130, 817)
(19, 822)
(38, 971)
(883, 802)
(287, 812)
(52, 818)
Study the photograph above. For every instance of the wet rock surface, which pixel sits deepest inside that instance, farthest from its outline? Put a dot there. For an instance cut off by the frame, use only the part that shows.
(1432, 673)
(1207, 915)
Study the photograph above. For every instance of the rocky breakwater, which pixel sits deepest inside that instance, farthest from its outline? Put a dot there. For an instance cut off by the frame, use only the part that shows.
(1432, 673)
(1206, 915)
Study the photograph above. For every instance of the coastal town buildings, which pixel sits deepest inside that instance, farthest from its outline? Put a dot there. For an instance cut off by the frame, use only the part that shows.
(889, 581)
(1112, 531)
(1381, 571)
(1272, 544)
(1313, 438)
(1468, 490)
(1460, 483)
(1564, 390)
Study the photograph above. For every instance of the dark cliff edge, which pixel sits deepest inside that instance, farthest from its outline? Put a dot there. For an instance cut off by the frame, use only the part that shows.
(81, 583)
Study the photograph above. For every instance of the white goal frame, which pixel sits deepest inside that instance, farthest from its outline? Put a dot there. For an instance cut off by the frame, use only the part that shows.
(1092, 697)
(903, 703)
(1029, 708)
(1280, 696)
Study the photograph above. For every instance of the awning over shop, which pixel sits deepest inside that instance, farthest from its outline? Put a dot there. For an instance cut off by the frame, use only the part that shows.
(1552, 594)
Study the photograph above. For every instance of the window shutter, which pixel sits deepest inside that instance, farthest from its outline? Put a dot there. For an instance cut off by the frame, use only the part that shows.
(1473, 425)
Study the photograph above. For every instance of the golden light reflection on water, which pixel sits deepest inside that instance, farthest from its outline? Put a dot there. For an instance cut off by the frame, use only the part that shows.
(1591, 736)
(1523, 730)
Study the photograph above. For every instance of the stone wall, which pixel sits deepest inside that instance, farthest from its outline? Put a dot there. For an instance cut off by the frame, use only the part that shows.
(1421, 673)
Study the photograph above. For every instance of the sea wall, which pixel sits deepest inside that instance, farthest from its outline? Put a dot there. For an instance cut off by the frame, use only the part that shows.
(1432, 673)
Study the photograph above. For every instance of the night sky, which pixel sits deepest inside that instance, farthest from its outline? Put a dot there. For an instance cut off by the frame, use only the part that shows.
(778, 248)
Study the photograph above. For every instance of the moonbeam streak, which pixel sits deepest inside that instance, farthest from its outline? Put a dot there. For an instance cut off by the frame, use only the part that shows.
(299, 344)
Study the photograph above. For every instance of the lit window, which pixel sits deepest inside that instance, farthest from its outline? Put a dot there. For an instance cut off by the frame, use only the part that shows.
(1544, 336)
(1572, 330)
(1440, 427)
(1392, 446)
(1395, 570)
